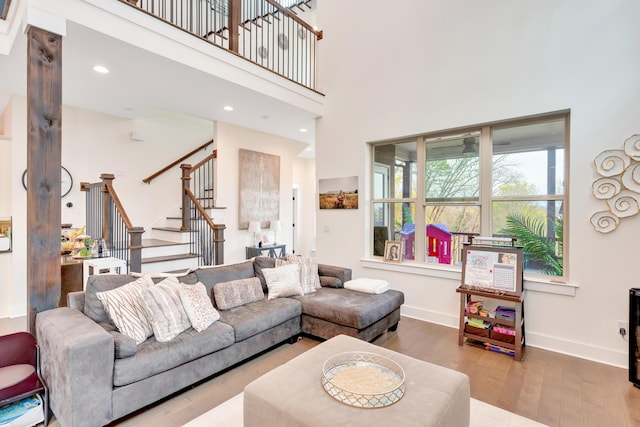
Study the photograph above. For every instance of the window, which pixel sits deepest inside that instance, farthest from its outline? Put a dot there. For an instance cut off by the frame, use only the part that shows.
(503, 179)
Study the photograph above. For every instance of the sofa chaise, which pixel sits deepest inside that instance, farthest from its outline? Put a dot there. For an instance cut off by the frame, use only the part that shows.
(96, 374)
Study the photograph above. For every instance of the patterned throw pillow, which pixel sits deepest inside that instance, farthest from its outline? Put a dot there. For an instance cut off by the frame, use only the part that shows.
(235, 293)
(164, 309)
(124, 307)
(197, 305)
(309, 279)
(283, 281)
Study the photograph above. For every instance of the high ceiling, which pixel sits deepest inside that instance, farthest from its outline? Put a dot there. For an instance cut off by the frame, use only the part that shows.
(142, 84)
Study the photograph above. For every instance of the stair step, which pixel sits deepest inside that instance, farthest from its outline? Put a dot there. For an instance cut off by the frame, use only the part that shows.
(173, 229)
(168, 258)
(156, 243)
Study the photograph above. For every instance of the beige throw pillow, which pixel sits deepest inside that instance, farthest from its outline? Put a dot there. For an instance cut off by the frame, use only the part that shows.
(164, 309)
(283, 281)
(124, 307)
(239, 292)
(197, 305)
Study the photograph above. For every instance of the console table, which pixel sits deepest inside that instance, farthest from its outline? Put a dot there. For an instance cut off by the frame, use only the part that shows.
(273, 251)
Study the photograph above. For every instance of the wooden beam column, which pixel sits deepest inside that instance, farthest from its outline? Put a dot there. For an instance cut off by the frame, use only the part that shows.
(44, 153)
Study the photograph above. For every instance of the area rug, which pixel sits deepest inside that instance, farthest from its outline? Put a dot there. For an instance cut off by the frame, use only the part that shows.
(229, 414)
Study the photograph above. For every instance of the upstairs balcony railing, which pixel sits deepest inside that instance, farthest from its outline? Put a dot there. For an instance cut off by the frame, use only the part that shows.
(265, 32)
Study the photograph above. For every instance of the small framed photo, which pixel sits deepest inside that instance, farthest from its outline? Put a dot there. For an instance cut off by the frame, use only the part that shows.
(392, 251)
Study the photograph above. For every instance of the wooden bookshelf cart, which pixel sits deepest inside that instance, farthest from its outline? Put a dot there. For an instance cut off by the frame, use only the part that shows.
(517, 324)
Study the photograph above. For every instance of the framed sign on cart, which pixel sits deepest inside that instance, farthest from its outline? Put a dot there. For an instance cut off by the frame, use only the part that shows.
(492, 265)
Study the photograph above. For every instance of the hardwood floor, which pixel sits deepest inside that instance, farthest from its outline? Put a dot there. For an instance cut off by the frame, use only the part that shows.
(551, 388)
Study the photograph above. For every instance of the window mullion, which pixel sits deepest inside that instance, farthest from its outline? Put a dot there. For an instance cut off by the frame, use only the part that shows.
(486, 178)
(420, 244)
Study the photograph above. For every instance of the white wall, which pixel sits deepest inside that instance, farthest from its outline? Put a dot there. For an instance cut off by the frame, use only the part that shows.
(5, 209)
(229, 139)
(304, 178)
(460, 63)
(94, 143)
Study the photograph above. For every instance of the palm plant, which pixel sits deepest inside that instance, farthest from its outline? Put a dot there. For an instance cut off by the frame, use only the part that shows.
(531, 234)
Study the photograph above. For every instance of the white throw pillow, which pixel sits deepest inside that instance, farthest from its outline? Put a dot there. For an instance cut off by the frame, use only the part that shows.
(164, 309)
(309, 279)
(283, 281)
(198, 306)
(124, 307)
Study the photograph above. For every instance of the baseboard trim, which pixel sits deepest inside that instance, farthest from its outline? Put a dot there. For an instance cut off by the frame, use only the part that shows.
(18, 311)
(598, 354)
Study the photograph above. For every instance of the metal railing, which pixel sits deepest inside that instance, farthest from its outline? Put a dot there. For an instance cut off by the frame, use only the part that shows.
(106, 219)
(261, 31)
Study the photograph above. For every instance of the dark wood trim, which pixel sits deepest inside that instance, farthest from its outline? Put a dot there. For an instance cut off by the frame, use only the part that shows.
(185, 182)
(211, 156)
(150, 178)
(295, 17)
(5, 11)
(235, 12)
(44, 154)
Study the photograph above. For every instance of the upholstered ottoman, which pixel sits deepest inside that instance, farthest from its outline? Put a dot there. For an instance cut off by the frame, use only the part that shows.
(330, 312)
(292, 394)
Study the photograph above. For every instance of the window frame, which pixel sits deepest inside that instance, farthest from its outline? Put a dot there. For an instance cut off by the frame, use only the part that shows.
(486, 197)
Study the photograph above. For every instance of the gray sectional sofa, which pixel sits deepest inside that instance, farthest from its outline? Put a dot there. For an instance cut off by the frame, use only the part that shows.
(96, 375)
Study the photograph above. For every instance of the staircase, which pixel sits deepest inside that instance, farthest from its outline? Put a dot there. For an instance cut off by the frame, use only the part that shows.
(169, 250)
(187, 237)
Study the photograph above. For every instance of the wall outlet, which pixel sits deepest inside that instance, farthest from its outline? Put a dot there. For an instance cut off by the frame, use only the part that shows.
(623, 327)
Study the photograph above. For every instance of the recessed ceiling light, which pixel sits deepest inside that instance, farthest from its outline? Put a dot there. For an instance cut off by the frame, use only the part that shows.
(228, 108)
(303, 130)
(101, 69)
(308, 149)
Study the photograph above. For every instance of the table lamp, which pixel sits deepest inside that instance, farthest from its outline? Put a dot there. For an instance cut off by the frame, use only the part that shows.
(275, 226)
(254, 227)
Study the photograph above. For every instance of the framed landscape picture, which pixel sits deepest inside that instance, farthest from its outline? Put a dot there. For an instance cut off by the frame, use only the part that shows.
(338, 193)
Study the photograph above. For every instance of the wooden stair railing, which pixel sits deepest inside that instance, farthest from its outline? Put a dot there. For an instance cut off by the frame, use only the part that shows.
(151, 177)
(108, 220)
(206, 237)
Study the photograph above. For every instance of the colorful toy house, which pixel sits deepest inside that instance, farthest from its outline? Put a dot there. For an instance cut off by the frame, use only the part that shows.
(438, 242)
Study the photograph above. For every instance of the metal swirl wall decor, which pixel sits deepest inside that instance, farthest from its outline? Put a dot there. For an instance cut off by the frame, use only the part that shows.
(619, 184)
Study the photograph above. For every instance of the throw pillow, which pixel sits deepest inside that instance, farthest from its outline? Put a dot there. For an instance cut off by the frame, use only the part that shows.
(235, 293)
(330, 282)
(283, 281)
(163, 307)
(309, 279)
(197, 305)
(124, 307)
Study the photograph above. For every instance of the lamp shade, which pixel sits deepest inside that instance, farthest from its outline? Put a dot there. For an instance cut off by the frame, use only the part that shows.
(276, 225)
(254, 226)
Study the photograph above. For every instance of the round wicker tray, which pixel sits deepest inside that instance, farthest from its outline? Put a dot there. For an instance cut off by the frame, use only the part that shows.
(363, 380)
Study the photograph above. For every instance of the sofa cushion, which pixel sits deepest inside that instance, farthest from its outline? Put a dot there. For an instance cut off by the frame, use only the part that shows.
(283, 281)
(125, 309)
(210, 276)
(237, 292)
(251, 319)
(260, 263)
(164, 309)
(93, 307)
(154, 357)
(350, 308)
(123, 345)
(197, 304)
